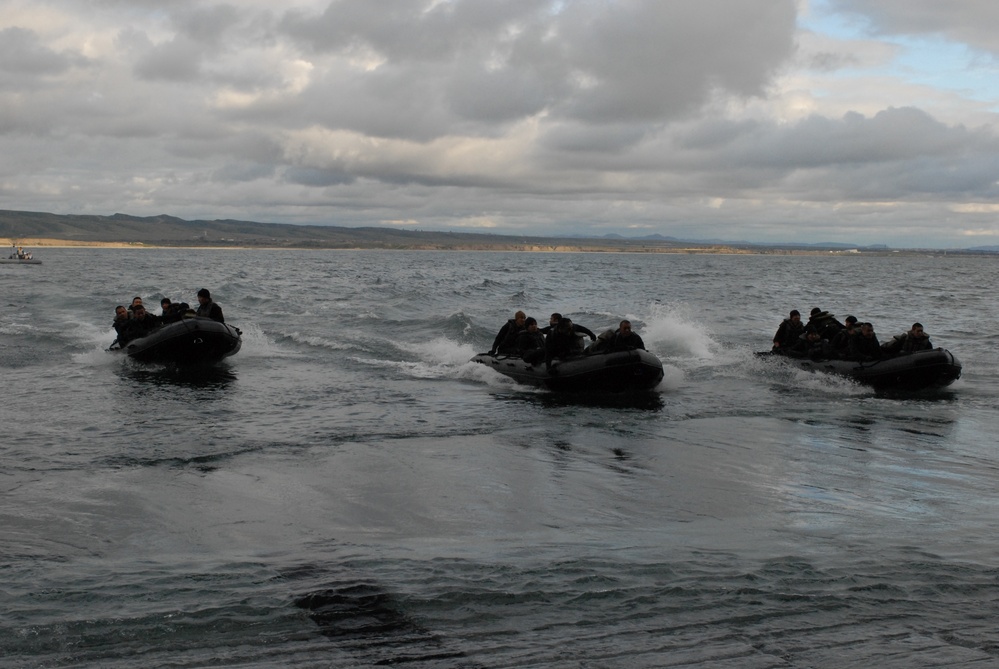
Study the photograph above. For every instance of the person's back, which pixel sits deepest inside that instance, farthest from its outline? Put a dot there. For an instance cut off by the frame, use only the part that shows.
(531, 343)
(562, 343)
(824, 323)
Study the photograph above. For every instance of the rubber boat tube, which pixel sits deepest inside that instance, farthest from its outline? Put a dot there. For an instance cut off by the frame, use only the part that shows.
(189, 341)
(935, 368)
(589, 373)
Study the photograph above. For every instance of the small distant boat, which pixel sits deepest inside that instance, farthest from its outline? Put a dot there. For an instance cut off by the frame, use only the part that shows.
(190, 341)
(19, 256)
(614, 372)
(934, 368)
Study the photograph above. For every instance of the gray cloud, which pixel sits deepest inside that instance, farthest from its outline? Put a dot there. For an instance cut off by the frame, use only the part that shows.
(969, 21)
(698, 119)
(24, 55)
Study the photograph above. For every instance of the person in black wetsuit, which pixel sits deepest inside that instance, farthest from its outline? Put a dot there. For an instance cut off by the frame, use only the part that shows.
(625, 338)
(208, 308)
(121, 317)
(864, 346)
(562, 343)
(506, 339)
(788, 333)
(824, 323)
(912, 341)
(139, 325)
(811, 345)
(556, 317)
(531, 343)
(841, 341)
(175, 311)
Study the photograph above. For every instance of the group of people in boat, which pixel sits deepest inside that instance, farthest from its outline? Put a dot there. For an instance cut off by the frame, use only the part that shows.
(560, 339)
(135, 321)
(823, 337)
(18, 253)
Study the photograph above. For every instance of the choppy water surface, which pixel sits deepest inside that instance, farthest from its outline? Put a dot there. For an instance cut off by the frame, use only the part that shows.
(349, 491)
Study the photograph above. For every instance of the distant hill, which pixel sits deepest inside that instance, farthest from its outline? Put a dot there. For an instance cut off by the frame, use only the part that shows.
(164, 230)
(40, 229)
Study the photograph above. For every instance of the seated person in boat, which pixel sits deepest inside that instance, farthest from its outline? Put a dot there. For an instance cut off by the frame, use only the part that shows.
(864, 346)
(175, 311)
(121, 317)
(824, 323)
(139, 325)
(506, 339)
(531, 343)
(626, 339)
(790, 329)
(136, 301)
(841, 341)
(810, 345)
(207, 307)
(910, 342)
(556, 317)
(562, 343)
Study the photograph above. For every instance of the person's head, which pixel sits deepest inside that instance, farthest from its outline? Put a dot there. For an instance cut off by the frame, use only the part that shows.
(624, 327)
(204, 297)
(532, 324)
(814, 312)
(867, 330)
(795, 316)
(519, 318)
(555, 318)
(851, 322)
(165, 303)
(565, 325)
(120, 311)
(136, 301)
(917, 330)
(139, 311)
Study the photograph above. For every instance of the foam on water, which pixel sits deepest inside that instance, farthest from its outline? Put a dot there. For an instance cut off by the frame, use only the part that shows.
(671, 331)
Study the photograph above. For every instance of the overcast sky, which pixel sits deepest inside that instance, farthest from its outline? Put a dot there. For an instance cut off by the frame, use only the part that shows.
(861, 121)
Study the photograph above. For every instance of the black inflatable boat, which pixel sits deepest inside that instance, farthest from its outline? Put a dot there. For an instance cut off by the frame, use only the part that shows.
(935, 368)
(589, 373)
(189, 341)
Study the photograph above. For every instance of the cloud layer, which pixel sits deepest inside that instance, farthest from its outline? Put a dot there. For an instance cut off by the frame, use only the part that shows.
(753, 120)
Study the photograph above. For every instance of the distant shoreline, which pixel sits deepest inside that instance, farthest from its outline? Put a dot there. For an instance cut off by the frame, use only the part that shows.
(45, 230)
(597, 247)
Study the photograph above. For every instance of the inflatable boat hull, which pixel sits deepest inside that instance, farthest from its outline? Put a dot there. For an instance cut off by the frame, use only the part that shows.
(189, 341)
(616, 372)
(936, 368)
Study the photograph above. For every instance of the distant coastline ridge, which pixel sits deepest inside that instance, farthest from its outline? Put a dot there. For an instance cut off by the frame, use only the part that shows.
(40, 229)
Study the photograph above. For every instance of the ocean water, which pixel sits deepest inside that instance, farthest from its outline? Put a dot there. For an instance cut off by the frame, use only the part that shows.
(350, 491)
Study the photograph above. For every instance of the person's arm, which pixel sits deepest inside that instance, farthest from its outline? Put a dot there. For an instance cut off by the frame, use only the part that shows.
(500, 336)
(585, 331)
